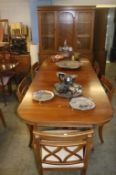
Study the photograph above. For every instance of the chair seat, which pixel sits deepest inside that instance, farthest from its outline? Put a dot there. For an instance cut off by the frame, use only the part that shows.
(79, 165)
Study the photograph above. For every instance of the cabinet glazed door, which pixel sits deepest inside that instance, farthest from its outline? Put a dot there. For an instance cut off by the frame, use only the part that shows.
(65, 28)
(47, 31)
(84, 30)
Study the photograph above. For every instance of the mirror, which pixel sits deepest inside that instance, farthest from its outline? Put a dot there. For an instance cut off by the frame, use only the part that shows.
(4, 30)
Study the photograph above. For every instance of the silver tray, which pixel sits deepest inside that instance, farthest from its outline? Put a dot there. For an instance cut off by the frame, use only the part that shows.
(42, 95)
(74, 90)
(82, 103)
(68, 64)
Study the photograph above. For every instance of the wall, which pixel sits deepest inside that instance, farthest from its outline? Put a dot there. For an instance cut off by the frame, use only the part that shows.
(34, 24)
(82, 2)
(26, 10)
(34, 19)
(15, 11)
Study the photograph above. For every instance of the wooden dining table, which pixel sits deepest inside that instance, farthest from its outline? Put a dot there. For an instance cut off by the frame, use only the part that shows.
(57, 111)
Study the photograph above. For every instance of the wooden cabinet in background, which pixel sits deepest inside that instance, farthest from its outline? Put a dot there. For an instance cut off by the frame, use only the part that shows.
(100, 38)
(58, 24)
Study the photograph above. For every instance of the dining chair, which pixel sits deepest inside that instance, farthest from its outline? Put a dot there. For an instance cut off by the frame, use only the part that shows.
(109, 89)
(20, 92)
(5, 86)
(96, 68)
(22, 88)
(34, 69)
(2, 118)
(62, 150)
(108, 86)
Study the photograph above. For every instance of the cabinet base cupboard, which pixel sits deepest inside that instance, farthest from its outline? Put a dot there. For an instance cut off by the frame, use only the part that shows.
(65, 26)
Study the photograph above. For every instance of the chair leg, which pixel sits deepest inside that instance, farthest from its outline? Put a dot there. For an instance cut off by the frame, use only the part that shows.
(101, 133)
(83, 172)
(4, 96)
(2, 119)
(31, 134)
(10, 87)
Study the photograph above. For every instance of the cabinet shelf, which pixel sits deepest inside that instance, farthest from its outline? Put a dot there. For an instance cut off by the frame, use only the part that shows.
(86, 22)
(83, 36)
(48, 23)
(48, 36)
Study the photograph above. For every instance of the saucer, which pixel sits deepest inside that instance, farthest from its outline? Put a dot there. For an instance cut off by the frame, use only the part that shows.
(82, 103)
(42, 95)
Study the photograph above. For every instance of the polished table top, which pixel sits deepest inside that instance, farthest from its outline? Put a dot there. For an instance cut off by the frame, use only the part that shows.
(57, 111)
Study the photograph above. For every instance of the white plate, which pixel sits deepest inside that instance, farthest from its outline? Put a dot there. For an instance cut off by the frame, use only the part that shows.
(68, 64)
(82, 103)
(42, 95)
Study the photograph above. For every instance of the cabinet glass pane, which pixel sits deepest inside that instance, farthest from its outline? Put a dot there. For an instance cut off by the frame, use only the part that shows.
(48, 30)
(84, 30)
(48, 43)
(84, 17)
(83, 43)
(65, 28)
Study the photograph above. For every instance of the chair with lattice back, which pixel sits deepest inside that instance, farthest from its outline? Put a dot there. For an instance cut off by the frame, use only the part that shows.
(109, 89)
(108, 86)
(34, 69)
(62, 149)
(5, 86)
(96, 68)
(21, 91)
(22, 88)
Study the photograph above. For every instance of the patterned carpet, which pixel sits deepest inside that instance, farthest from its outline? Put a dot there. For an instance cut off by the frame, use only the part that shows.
(16, 158)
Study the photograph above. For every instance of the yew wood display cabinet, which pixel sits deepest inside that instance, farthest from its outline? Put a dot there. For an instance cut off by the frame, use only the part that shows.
(59, 25)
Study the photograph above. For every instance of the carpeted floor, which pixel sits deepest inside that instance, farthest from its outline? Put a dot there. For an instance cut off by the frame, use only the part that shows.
(16, 158)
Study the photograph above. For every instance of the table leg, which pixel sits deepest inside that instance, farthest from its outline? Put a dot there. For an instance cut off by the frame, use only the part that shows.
(31, 134)
(101, 133)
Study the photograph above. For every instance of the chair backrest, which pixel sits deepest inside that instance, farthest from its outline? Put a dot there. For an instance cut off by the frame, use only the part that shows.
(1, 80)
(96, 68)
(62, 149)
(5, 85)
(108, 86)
(22, 88)
(34, 68)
